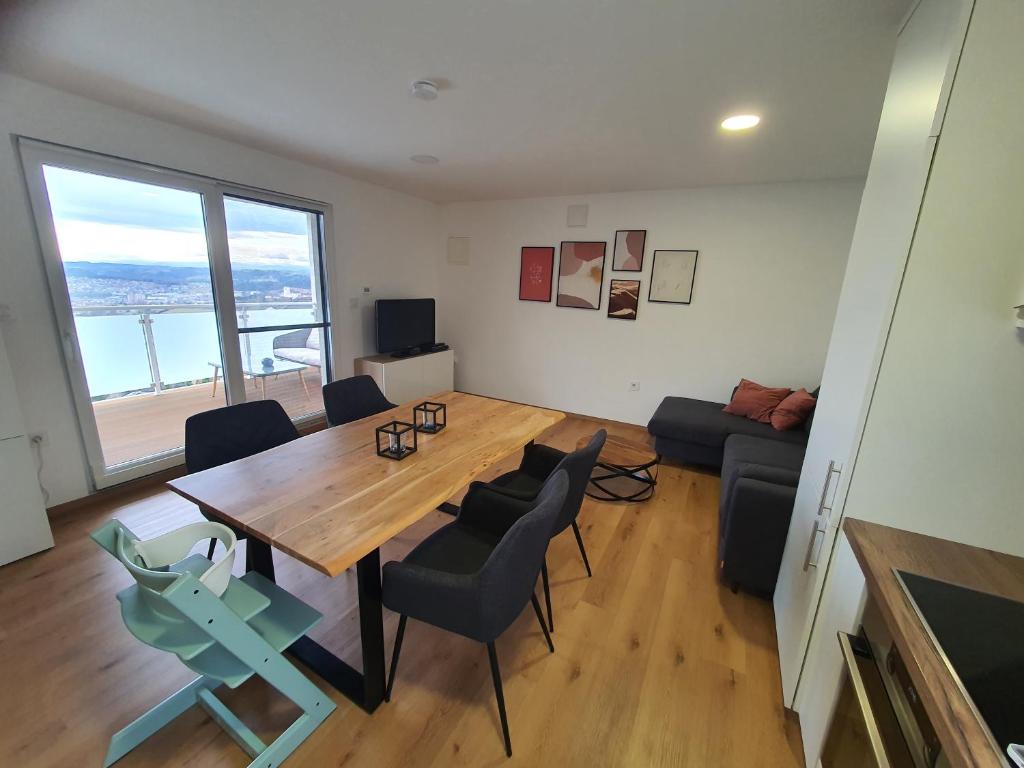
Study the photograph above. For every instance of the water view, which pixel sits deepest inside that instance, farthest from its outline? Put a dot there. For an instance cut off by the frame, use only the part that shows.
(136, 265)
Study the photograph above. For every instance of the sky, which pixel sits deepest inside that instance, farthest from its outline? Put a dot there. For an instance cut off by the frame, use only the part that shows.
(105, 219)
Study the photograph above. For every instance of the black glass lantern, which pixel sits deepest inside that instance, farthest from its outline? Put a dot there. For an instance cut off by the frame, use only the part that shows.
(430, 417)
(396, 440)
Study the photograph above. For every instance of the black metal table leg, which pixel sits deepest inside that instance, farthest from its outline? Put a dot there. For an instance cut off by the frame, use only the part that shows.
(367, 688)
(371, 629)
(258, 557)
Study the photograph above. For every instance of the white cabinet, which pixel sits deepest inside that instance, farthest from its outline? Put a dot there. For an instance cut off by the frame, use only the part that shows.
(915, 102)
(402, 379)
(24, 526)
(930, 433)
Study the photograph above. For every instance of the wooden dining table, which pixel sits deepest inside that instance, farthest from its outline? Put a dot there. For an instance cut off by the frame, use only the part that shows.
(328, 500)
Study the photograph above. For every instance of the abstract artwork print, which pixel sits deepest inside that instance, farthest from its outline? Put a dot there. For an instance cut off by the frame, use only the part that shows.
(536, 265)
(623, 297)
(629, 250)
(672, 277)
(580, 274)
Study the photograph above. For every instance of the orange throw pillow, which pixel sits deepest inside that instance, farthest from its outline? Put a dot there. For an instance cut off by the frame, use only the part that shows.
(755, 401)
(793, 411)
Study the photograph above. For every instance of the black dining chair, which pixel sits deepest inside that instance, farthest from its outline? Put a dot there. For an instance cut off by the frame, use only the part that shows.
(538, 464)
(353, 398)
(223, 435)
(475, 576)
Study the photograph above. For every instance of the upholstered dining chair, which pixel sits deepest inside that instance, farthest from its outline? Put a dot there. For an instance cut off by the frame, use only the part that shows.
(223, 435)
(475, 576)
(353, 398)
(538, 464)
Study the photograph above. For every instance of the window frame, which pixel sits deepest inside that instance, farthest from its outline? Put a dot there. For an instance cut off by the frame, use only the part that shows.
(35, 154)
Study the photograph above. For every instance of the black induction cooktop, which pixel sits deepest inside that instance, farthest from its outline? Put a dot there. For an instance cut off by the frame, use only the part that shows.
(982, 639)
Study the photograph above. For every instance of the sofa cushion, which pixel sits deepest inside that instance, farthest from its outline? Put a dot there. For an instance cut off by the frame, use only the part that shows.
(793, 411)
(758, 459)
(745, 449)
(755, 458)
(303, 355)
(704, 423)
(756, 401)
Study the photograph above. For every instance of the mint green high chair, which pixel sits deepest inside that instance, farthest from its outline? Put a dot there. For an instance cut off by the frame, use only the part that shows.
(224, 628)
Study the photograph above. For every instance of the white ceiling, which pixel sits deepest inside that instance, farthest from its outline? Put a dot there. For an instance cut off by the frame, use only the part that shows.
(539, 97)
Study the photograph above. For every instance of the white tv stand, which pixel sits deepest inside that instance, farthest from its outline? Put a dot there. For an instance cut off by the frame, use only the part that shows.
(402, 379)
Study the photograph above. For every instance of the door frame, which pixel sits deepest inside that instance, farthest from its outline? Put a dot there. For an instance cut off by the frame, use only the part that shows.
(34, 154)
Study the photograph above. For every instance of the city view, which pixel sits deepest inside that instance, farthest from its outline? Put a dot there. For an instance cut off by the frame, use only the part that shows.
(106, 284)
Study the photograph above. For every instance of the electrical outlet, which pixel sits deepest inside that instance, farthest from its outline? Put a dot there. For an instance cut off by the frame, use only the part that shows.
(41, 439)
(634, 386)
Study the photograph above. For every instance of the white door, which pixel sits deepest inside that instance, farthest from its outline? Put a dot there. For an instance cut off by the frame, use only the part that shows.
(926, 55)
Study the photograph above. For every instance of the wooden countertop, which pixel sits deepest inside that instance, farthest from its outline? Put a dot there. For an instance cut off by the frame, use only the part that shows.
(879, 549)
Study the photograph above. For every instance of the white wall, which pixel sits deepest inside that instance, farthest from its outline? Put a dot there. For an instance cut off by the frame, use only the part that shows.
(383, 239)
(768, 278)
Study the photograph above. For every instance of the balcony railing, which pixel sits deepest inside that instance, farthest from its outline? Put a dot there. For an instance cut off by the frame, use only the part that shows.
(178, 343)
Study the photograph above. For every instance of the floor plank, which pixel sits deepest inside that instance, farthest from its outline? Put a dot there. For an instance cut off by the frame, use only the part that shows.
(655, 663)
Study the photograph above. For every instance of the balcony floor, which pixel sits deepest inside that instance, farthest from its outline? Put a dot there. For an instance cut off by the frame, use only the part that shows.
(136, 426)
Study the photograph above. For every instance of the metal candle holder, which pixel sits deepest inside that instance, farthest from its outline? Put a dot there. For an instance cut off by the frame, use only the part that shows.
(396, 439)
(430, 417)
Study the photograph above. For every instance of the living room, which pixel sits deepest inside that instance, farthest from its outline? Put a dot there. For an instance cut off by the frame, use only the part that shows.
(720, 252)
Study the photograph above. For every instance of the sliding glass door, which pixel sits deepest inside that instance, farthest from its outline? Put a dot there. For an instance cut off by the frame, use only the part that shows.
(176, 294)
(280, 301)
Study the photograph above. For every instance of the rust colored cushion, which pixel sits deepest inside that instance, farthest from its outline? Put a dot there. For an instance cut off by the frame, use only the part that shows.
(793, 411)
(755, 401)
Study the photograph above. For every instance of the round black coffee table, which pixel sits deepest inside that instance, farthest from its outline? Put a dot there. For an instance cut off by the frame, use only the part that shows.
(626, 471)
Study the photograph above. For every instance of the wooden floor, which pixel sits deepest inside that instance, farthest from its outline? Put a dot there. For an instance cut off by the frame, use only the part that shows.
(655, 663)
(142, 425)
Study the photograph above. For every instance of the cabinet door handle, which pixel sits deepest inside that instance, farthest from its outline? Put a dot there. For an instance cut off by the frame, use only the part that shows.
(811, 559)
(821, 520)
(825, 510)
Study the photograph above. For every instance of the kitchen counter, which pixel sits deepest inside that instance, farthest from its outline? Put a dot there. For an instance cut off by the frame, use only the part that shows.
(879, 550)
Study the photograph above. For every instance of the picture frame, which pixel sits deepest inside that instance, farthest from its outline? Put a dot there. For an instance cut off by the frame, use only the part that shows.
(581, 273)
(536, 272)
(673, 273)
(623, 299)
(628, 253)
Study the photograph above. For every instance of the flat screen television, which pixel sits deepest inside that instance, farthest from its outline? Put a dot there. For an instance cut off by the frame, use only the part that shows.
(404, 323)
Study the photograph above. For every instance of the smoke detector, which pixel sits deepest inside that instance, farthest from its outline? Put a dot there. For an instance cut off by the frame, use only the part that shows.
(424, 89)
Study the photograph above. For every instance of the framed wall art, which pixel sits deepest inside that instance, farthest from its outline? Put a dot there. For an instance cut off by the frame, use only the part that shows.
(623, 298)
(628, 255)
(536, 271)
(672, 276)
(580, 274)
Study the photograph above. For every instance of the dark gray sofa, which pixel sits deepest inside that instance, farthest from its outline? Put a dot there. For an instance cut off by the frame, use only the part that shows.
(760, 469)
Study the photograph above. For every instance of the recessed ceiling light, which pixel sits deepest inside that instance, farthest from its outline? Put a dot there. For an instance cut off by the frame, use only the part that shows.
(424, 89)
(740, 122)
(425, 159)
